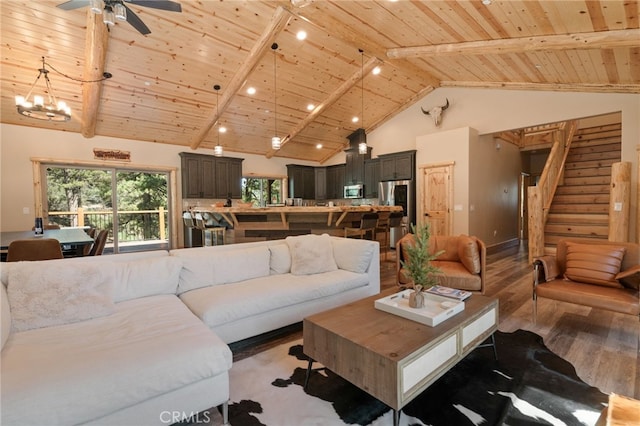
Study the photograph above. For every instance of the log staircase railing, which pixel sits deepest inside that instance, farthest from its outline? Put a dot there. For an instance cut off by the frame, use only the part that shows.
(540, 197)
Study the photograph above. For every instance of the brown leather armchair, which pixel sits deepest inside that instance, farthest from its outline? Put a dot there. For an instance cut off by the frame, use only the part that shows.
(462, 263)
(596, 273)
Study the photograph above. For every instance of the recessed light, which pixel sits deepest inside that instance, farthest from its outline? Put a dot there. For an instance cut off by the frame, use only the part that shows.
(319, 146)
(311, 107)
(376, 71)
(486, 2)
(147, 83)
(222, 129)
(355, 119)
(301, 35)
(251, 90)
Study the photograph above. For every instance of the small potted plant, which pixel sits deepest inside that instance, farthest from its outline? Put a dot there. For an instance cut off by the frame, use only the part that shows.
(418, 264)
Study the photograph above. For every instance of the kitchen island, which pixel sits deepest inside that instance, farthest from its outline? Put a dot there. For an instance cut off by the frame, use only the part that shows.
(270, 223)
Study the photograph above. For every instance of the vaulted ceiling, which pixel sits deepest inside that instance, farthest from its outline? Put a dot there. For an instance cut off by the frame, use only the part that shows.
(161, 89)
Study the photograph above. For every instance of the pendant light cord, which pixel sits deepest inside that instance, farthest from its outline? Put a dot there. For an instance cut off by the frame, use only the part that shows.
(274, 46)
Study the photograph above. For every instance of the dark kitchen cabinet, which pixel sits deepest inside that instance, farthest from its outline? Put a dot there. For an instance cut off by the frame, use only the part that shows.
(335, 181)
(371, 178)
(198, 175)
(206, 176)
(321, 183)
(302, 181)
(397, 166)
(228, 177)
(354, 167)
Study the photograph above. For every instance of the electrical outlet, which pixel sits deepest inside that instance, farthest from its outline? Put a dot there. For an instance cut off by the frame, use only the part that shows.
(617, 207)
(495, 232)
(25, 210)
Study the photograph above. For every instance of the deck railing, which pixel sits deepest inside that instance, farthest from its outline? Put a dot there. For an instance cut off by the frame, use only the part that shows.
(153, 225)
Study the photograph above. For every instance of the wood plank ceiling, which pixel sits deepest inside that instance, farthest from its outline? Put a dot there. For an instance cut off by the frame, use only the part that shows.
(162, 85)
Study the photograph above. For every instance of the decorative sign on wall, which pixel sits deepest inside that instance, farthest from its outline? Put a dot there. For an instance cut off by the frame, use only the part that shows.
(111, 154)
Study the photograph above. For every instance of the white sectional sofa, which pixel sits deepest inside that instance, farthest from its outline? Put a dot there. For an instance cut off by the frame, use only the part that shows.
(141, 338)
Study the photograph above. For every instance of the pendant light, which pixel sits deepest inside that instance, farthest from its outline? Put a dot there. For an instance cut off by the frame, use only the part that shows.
(36, 107)
(217, 150)
(275, 141)
(362, 146)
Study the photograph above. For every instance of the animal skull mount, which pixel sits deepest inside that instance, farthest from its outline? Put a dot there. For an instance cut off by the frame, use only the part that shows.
(436, 113)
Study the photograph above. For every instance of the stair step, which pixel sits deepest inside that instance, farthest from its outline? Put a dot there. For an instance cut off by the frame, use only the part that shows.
(581, 199)
(590, 164)
(582, 180)
(588, 172)
(576, 230)
(583, 189)
(579, 219)
(591, 156)
(601, 145)
(579, 208)
(552, 240)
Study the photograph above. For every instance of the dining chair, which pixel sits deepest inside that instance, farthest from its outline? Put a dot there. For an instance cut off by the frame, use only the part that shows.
(98, 246)
(87, 248)
(367, 227)
(34, 249)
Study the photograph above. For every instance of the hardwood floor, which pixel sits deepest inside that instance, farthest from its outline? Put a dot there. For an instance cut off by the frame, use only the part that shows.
(602, 346)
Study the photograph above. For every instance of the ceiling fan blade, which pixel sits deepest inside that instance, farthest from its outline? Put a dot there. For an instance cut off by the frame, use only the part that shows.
(136, 22)
(73, 4)
(171, 6)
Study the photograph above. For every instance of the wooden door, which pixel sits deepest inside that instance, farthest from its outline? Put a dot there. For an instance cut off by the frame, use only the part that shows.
(437, 197)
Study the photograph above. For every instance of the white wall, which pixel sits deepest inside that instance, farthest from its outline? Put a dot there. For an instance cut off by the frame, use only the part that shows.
(444, 147)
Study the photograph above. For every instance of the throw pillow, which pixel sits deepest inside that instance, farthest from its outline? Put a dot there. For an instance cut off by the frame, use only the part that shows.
(594, 264)
(280, 262)
(146, 277)
(311, 254)
(350, 256)
(468, 253)
(59, 294)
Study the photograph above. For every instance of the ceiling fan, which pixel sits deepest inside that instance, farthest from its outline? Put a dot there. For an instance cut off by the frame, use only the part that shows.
(118, 10)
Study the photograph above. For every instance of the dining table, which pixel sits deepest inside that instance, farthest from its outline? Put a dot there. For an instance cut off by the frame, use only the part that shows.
(72, 240)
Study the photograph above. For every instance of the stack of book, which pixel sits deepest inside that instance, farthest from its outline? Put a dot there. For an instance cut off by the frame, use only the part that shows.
(452, 293)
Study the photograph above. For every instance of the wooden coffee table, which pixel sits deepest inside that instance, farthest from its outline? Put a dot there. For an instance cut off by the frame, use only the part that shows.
(392, 358)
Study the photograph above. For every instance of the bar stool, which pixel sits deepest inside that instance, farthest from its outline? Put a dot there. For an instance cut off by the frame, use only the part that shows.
(368, 223)
(394, 220)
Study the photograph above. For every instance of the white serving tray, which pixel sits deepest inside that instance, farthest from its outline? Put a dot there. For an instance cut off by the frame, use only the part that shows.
(436, 308)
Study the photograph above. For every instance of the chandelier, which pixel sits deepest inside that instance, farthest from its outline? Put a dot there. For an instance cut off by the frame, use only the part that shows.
(36, 107)
(276, 142)
(217, 150)
(362, 146)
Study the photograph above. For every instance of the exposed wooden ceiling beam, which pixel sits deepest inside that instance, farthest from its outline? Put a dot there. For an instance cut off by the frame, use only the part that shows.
(556, 87)
(95, 53)
(330, 100)
(591, 40)
(277, 23)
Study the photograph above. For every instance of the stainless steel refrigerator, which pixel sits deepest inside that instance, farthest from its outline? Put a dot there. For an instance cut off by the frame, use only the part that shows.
(399, 193)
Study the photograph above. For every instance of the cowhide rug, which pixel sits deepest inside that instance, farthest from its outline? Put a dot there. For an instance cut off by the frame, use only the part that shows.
(527, 385)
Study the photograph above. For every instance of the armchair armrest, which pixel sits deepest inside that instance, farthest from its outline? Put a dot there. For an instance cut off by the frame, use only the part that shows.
(545, 269)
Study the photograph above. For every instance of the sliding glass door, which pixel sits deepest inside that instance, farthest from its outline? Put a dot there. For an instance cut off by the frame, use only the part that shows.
(131, 205)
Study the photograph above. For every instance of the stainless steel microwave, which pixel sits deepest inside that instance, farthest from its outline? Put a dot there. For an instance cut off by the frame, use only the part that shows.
(353, 191)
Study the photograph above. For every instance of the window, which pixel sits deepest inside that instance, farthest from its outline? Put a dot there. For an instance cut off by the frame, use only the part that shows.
(131, 204)
(262, 191)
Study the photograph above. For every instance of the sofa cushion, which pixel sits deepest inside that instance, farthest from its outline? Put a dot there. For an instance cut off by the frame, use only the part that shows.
(594, 264)
(280, 261)
(146, 277)
(311, 254)
(76, 373)
(447, 244)
(44, 297)
(207, 267)
(456, 275)
(219, 305)
(468, 253)
(5, 312)
(349, 255)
